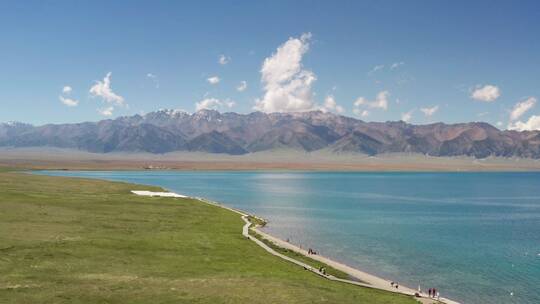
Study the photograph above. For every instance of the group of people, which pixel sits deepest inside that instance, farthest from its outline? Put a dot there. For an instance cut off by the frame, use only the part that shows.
(311, 251)
(322, 270)
(433, 293)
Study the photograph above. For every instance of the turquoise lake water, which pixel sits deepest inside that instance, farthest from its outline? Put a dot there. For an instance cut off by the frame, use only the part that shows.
(473, 236)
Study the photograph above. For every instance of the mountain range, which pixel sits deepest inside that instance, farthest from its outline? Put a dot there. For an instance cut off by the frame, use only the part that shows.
(232, 133)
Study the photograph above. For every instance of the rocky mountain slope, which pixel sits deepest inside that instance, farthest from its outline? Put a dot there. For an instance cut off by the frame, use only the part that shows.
(210, 131)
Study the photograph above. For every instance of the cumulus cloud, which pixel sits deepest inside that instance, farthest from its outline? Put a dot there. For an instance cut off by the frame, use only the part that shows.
(154, 79)
(380, 102)
(242, 86)
(330, 105)
(532, 124)
(487, 93)
(407, 116)
(429, 111)
(214, 104)
(521, 107)
(67, 90)
(107, 111)
(286, 84)
(360, 112)
(223, 60)
(213, 80)
(70, 102)
(103, 90)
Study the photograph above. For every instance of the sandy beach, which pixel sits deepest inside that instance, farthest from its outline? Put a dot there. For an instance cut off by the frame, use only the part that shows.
(364, 279)
(371, 280)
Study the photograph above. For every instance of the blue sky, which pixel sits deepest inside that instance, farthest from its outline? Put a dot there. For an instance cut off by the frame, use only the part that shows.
(331, 54)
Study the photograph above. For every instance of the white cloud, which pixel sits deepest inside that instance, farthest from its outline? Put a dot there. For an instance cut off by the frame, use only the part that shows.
(103, 90)
(429, 111)
(330, 102)
(521, 107)
(70, 102)
(330, 105)
(67, 90)
(380, 102)
(487, 93)
(392, 67)
(376, 68)
(360, 112)
(407, 116)
(223, 60)
(154, 78)
(107, 111)
(214, 104)
(213, 80)
(532, 124)
(396, 65)
(242, 86)
(286, 83)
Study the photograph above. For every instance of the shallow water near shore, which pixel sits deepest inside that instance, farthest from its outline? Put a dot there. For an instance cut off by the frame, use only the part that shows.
(473, 236)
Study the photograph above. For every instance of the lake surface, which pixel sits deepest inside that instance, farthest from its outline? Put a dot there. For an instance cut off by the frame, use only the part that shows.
(473, 236)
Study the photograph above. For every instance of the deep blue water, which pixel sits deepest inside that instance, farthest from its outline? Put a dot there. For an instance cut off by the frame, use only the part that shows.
(473, 236)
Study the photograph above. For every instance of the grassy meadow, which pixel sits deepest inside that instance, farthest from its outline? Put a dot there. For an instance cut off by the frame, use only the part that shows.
(70, 240)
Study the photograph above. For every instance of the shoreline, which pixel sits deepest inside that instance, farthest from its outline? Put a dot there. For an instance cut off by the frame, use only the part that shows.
(367, 280)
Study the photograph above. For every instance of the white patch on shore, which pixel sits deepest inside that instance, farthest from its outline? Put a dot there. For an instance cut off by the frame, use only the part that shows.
(161, 194)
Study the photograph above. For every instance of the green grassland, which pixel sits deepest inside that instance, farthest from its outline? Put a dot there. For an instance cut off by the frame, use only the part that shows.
(69, 240)
(302, 258)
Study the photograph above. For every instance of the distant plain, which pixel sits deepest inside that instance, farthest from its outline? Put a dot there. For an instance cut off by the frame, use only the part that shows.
(54, 158)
